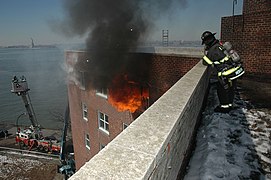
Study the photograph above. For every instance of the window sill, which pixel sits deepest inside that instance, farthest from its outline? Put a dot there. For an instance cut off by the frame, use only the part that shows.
(104, 131)
(101, 95)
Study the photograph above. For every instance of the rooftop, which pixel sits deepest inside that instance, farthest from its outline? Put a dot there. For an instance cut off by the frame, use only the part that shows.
(234, 145)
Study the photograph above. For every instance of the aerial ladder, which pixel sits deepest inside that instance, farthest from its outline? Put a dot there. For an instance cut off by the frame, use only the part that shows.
(20, 87)
(31, 137)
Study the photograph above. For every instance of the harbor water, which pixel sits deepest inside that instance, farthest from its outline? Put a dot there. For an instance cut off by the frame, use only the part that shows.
(46, 77)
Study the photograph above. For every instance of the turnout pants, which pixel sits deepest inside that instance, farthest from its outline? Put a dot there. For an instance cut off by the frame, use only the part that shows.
(226, 96)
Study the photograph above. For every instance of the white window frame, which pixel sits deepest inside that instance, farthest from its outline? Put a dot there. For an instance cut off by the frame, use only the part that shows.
(102, 122)
(87, 141)
(102, 92)
(85, 111)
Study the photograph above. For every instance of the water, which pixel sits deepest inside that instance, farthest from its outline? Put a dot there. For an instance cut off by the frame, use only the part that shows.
(43, 69)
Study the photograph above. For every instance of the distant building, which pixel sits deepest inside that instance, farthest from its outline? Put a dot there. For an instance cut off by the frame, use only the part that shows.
(250, 33)
(95, 119)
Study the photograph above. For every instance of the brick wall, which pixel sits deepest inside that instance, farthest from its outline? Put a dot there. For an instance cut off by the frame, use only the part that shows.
(158, 143)
(163, 70)
(250, 35)
(253, 6)
(81, 126)
(166, 70)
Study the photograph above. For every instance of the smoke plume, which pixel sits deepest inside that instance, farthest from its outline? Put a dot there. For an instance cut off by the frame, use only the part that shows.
(114, 29)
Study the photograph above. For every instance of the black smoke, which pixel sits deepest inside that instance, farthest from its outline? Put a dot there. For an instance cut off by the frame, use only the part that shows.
(114, 28)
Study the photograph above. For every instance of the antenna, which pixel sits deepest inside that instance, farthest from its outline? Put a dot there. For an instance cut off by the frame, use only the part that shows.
(234, 2)
(165, 37)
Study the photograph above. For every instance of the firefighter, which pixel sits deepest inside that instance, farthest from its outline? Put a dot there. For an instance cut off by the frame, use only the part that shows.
(228, 65)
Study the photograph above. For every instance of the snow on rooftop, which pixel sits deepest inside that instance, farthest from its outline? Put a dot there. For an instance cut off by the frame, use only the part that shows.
(11, 166)
(232, 146)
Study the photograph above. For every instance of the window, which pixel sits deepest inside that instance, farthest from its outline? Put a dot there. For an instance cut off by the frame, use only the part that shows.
(124, 126)
(101, 146)
(102, 92)
(103, 122)
(85, 111)
(87, 141)
(82, 80)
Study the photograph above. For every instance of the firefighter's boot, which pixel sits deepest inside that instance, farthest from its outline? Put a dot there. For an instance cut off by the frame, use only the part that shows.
(221, 109)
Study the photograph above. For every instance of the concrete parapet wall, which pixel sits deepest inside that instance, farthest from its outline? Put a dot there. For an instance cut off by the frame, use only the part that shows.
(187, 51)
(155, 145)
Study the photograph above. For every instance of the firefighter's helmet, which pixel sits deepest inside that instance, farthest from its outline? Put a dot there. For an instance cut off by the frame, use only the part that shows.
(207, 37)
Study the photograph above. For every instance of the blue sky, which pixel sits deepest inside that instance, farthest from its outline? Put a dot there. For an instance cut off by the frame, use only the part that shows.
(21, 20)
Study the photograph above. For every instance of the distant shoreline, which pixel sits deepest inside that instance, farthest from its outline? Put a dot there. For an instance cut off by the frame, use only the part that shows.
(27, 47)
(174, 43)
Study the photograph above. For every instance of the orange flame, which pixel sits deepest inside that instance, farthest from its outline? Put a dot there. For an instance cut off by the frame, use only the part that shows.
(125, 94)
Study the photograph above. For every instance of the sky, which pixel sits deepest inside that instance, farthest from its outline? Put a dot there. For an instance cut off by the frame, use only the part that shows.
(22, 20)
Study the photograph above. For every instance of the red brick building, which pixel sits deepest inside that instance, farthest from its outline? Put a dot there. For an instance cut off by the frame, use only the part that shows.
(250, 33)
(95, 121)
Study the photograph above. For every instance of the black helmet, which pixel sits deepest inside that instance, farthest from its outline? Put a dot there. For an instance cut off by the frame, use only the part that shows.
(207, 37)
